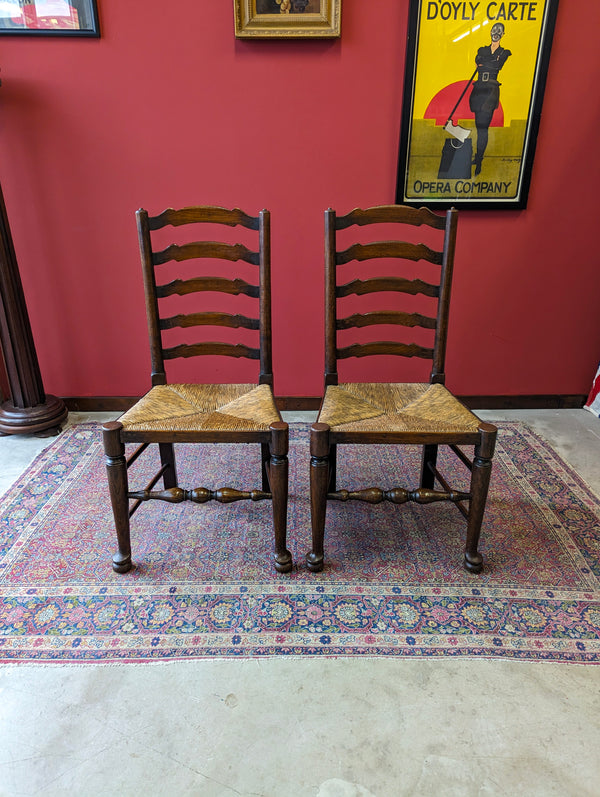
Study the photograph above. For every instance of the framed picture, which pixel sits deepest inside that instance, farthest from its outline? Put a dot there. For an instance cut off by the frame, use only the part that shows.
(287, 19)
(473, 90)
(49, 18)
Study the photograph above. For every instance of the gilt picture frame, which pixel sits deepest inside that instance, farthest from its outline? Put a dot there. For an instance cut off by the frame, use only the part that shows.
(287, 19)
(474, 82)
(49, 18)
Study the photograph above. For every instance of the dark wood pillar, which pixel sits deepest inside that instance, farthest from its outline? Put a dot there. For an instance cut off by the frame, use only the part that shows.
(29, 409)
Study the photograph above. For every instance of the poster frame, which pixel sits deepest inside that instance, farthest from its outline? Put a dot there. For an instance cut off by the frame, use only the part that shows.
(33, 24)
(430, 196)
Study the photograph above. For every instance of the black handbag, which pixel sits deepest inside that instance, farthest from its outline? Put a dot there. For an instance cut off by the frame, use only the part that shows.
(456, 159)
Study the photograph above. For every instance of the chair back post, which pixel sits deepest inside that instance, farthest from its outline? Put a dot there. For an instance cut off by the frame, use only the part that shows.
(439, 350)
(158, 367)
(331, 375)
(266, 340)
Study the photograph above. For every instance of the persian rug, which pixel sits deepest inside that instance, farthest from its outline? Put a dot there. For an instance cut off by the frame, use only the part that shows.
(203, 585)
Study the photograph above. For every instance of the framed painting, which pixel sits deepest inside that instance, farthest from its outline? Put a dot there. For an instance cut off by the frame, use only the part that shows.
(287, 19)
(473, 89)
(49, 18)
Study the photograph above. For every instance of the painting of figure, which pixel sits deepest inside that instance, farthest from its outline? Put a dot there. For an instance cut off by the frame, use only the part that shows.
(288, 6)
(288, 19)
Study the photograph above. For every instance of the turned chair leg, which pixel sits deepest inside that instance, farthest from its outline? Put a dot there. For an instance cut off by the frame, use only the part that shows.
(332, 468)
(278, 477)
(167, 457)
(116, 469)
(480, 480)
(265, 456)
(320, 478)
(428, 461)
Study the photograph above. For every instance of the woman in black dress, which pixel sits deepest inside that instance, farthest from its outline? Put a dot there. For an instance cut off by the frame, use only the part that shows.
(485, 94)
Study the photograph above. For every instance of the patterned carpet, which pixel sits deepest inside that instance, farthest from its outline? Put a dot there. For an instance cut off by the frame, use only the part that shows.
(393, 583)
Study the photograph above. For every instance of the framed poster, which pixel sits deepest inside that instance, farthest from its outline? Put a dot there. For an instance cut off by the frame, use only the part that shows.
(49, 18)
(473, 89)
(287, 19)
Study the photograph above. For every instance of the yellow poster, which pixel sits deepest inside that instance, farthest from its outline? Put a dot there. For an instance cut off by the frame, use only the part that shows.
(473, 91)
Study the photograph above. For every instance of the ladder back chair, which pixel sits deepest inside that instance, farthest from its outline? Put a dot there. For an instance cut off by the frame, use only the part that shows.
(426, 414)
(201, 413)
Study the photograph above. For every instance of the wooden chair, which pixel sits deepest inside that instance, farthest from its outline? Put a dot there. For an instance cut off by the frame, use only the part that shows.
(201, 413)
(367, 413)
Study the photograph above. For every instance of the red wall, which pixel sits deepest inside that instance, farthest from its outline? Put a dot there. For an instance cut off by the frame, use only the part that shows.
(167, 108)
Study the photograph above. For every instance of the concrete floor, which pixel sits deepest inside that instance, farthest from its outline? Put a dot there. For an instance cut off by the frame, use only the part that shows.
(307, 727)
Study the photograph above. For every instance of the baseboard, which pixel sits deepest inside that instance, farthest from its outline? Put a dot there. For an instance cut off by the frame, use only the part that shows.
(99, 403)
(543, 402)
(298, 403)
(312, 403)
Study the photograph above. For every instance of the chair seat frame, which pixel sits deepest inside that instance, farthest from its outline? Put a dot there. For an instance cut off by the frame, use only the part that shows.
(274, 445)
(323, 488)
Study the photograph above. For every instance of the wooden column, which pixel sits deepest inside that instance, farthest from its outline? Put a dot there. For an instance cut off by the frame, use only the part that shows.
(29, 409)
